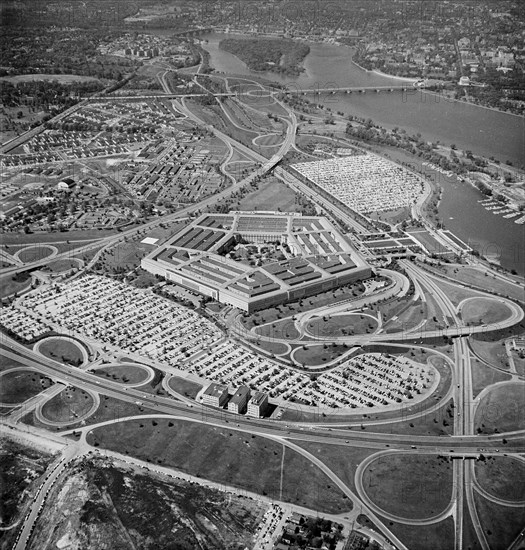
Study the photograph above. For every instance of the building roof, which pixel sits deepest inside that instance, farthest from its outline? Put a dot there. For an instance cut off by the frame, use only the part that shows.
(258, 397)
(216, 390)
(240, 395)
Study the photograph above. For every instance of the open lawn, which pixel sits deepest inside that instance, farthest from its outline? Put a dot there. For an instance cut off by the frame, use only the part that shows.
(342, 460)
(501, 524)
(226, 456)
(268, 140)
(19, 386)
(325, 495)
(276, 348)
(470, 538)
(64, 265)
(439, 422)
(60, 349)
(126, 374)
(279, 330)
(483, 376)
(69, 405)
(493, 353)
(35, 253)
(407, 317)
(37, 238)
(7, 363)
(128, 254)
(329, 297)
(187, 388)
(342, 325)
(481, 279)
(502, 476)
(484, 311)
(427, 240)
(438, 536)
(519, 363)
(456, 294)
(319, 354)
(502, 409)
(410, 486)
(109, 409)
(271, 195)
(14, 284)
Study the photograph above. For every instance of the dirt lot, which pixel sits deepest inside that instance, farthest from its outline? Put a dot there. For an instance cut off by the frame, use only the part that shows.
(98, 504)
(21, 467)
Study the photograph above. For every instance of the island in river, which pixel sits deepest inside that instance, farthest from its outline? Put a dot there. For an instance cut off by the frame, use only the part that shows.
(263, 54)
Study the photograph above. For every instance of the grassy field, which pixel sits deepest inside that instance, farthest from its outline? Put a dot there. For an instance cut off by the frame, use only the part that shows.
(470, 539)
(14, 284)
(342, 325)
(269, 140)
(438, 536)
(126, 374)
(319, 354)
(300, 306)
(502, 477)
(484, 310)
(483, 376)
(502, 409)
(62, 350)
(342, 460)
(35, 253)
(481, 279)
(411, 486)
(271, 195)
(36, 238)
(17, 387)
(501, 524)
(276, 348)
(493, 353)
(231, 457)
(184, 387)
(519, 363)
(68, 405)
(439, 422)
(407, 317)
(63, 265)
(456, 294)
(7, 363)
(323, 495)
(109, 409)
(279, 330)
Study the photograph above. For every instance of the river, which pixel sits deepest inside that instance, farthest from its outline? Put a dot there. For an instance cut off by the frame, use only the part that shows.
(483, 131)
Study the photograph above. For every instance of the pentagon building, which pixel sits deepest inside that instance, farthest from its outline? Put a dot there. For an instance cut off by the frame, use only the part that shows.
(255, 260)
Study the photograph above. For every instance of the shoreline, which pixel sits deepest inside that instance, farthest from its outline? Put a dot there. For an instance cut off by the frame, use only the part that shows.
(452, 100)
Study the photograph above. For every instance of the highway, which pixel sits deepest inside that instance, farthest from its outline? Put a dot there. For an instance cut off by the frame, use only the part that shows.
(292, 430)
(463, 442)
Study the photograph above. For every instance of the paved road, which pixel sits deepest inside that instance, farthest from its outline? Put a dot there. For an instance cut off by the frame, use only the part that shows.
(292, 430)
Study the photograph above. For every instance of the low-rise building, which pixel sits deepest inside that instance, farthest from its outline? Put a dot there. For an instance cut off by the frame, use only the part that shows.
(66, 184)
(258, 404)
(237, 403)
(215, 395)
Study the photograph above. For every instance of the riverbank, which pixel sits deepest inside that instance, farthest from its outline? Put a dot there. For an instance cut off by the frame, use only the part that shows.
(402, 78)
